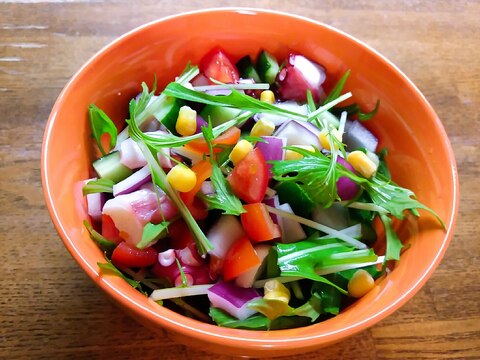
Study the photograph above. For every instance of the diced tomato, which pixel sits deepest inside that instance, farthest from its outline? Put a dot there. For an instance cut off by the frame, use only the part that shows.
(180, 235)
(249, 178)
(203, 170)
(258, 223)
(125, 255)
(229, 137)
(217, 65)
(240, 258)
(109, 230)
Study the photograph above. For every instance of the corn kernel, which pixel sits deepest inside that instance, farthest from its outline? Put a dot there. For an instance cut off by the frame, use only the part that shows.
(267, 96)
(274, 289)
(293, 155)
(362, 163)
(186, 121)
(360, 283)
(239, 151)
(263, 127)
(323, 137)
(182, 178)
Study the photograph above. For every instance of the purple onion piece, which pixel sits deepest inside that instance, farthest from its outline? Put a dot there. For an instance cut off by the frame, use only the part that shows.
(292, 231)
(272, 149)
(232, 299)
(200, 122)
(286, 105)
(130, 154)
(95, 204)
(223, 234)
(347, 189)
(299, 75)
(133, 182)
(357, 136)
(299, 133)
(273, 202)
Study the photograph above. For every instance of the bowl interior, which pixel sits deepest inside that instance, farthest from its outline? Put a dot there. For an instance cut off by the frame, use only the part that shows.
(419, 157)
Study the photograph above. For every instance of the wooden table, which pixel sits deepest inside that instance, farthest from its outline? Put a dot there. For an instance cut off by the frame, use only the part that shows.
(50, 309)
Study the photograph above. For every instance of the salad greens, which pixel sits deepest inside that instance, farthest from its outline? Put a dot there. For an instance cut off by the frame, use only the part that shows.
(270, 240)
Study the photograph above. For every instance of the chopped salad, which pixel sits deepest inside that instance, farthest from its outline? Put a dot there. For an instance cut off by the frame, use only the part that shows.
(245, 194)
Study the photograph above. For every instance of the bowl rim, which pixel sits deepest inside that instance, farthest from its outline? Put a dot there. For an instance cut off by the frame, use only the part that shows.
(216, 336)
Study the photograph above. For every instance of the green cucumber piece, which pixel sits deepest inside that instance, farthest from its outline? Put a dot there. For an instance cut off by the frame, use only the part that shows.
(168, 113)
(219, 114)
(247, 69)
(267, 67)
(110, 167)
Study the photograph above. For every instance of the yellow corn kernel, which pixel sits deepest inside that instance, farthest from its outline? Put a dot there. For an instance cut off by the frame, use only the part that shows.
(239, 151)
(263, 127)
(360, 283)
(293, 155)
(275, 290)
(323, 137)
(362, 163)
(267, 96)
(186, 121)
(182, 178)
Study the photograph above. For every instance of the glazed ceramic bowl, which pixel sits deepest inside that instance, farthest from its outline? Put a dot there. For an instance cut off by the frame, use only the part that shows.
(420, 158)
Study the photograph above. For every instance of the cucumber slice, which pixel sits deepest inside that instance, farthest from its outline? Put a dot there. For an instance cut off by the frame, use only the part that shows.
(267, 67)
(247, 69)
(219, 114)
(110, 167)
(168, 113)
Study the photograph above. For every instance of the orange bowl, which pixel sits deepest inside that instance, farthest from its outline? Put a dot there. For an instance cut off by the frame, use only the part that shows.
(420, 158)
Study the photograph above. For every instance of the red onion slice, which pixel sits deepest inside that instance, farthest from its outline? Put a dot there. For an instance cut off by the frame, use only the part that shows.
(292, 231)
(133, 182)
(286, 105)
(232, 299)
(272, 149)
(299, 133)
(299, 75)
(347, 189)
(130, 154)
(357, 136)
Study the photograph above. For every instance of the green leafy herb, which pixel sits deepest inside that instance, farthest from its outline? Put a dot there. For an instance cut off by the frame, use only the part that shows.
(391, 197)
(170, 140)
(331, 298)
(393, 243)
(101, 124)
(258, 322)
(223, 198)
(102, 242)
(110, 268)
(235, 99)
(314, 174)
(338, 88)
(98, 186)
(301, 259)
(354, 109)
(312, 308)
(382, 165)
(151, 233)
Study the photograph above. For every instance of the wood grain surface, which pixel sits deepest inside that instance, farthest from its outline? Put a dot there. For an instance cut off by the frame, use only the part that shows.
(50, 310)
